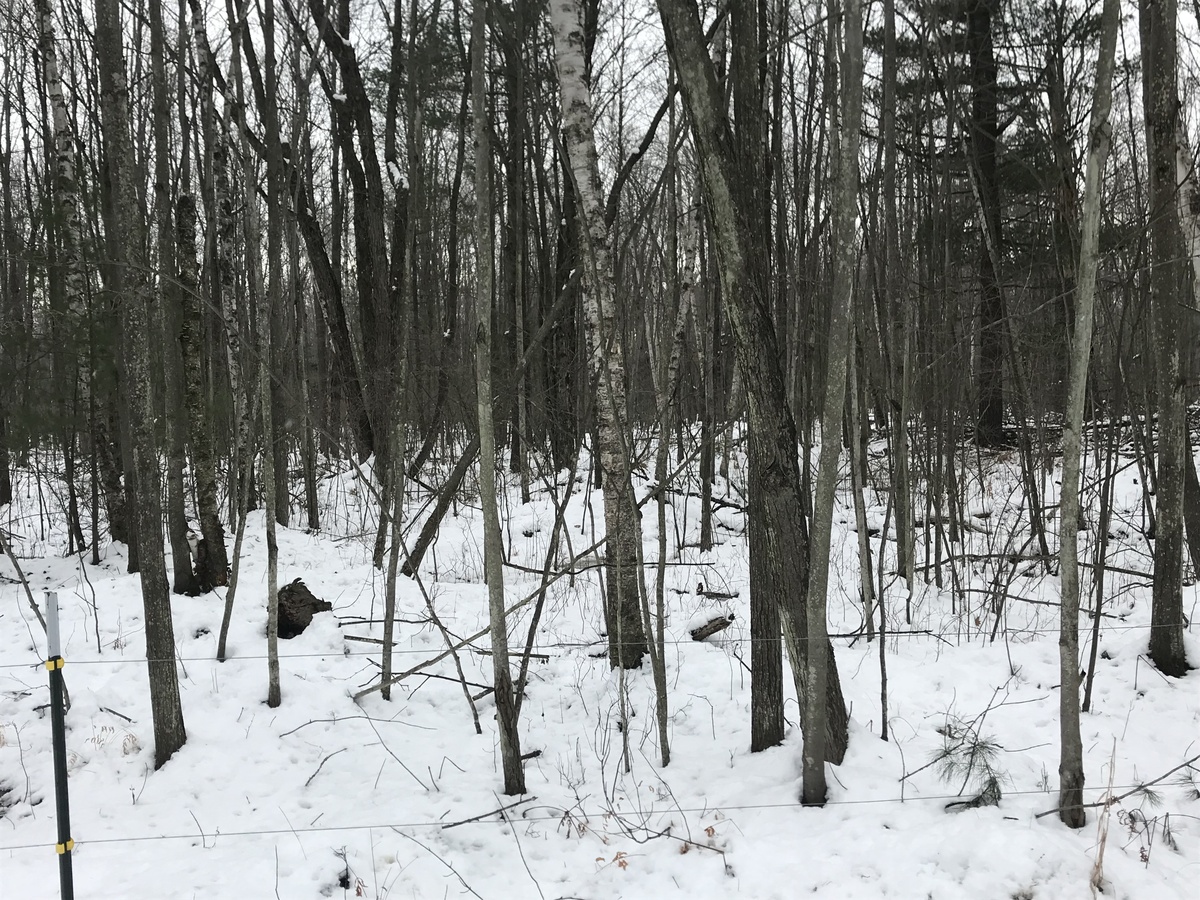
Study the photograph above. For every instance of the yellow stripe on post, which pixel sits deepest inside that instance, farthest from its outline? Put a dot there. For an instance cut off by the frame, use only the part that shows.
(64, 848)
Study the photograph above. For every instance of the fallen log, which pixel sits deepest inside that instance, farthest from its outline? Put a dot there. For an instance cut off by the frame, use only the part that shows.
(711, 627)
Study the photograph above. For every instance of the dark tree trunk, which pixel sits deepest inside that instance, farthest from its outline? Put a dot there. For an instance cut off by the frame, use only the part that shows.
(6, 494)
(779, 535)
(766, 652)
(1167, 283)
(184, 579)
(346, 377)
(1191, 506)
(377, 296)
(985, 132)
(136, 303)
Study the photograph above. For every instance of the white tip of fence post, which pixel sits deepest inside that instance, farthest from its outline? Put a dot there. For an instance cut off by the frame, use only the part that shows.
(53, 647)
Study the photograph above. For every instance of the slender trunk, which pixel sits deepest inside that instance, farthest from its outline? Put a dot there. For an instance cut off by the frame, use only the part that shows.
(184, 580)
(506, 716)
(403, 259)
(10, 306)
(858, 462)
(898, 308)
(1191, 505)
(311, 420)
(67, 276)
(677, 314)
(263, 298)
(1070, 767)
(212, 563)
(223, 285)
(517, 238)
(270, 309)
(6, 492)
(708, 414)
(845, 250)
(1065, 221)
(1188, 201)
(1100, 554)
(985, 133)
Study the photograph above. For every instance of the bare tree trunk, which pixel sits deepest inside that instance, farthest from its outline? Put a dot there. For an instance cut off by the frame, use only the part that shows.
(898, 309)
(10, 306)
(858, 468)
(626, 635)
(271, 330)
(778, 528)
(1191, 505)
(1108, 452)
(263, 297)
(377, 295)
(989, 429)
(1070, 767)
(750, 142)
(184, 580)
(680, 288)
(212, 563)
(516, 24)
(275, 481)
(244, 400)
(845, 262)
(1160, 98)
(65, 273)
(169, 731)
(506, 715)
(1188, 202)
(404, 257)
(307, 336)
(1065, 225)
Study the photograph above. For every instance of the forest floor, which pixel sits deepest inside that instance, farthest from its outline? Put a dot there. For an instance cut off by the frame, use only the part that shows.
(325, 797)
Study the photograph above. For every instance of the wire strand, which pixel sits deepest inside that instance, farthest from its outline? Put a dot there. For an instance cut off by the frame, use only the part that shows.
(565, 645)
(485, 820)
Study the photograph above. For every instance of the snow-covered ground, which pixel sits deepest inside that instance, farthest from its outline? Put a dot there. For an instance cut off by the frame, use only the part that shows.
(324, 797)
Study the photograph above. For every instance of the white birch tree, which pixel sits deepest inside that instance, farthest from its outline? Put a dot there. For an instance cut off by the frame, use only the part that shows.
(622, 521)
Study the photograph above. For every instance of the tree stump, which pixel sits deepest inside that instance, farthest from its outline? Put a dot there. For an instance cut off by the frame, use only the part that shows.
(297, 606)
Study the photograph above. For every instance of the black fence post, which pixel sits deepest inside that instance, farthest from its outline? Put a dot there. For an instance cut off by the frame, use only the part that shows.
(58, 723)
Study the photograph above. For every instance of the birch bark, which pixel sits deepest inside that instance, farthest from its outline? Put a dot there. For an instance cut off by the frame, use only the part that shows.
(1188, 203)
(622, 521)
